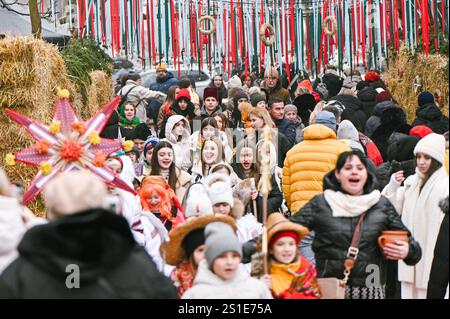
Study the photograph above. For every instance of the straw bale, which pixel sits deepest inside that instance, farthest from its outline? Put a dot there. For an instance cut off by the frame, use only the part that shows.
(432, 71)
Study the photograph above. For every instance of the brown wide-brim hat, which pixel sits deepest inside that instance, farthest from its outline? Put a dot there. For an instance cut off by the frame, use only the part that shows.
(276, 223)
(173, 249)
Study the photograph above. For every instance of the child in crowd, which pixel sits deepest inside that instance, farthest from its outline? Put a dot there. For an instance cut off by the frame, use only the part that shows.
(221, 196)
(160, 200)
(220, 275)
(291, 275)
(186, 248)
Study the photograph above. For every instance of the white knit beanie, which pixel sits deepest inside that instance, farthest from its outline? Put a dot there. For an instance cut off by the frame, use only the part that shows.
(219, 189)
(432, 145)
(234, 82)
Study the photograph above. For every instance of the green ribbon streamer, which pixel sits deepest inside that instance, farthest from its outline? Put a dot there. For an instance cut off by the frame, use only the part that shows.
(296, 37)
(350, 37)
(339, 26)
(166, 11)
(302, 33)
(159, 33)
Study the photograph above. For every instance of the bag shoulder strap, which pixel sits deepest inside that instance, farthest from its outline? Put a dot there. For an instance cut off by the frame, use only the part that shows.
(353, 250)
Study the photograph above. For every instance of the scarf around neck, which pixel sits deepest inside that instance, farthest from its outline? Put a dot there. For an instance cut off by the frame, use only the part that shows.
(345, 205)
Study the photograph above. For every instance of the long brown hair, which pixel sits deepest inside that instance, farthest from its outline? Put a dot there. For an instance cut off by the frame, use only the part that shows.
(171, 94)
(156, 169)
(434, 166)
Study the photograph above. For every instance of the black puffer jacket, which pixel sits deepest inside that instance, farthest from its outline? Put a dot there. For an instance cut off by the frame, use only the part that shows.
(391, 119)
(354, 105)
(334, 234)
(430, 115)
(100, 244)
(367, 97)
(400, 157)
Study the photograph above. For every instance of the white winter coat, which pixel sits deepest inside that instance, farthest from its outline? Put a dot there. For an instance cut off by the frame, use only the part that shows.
(421, 214)
(208, 285)
(181, 148)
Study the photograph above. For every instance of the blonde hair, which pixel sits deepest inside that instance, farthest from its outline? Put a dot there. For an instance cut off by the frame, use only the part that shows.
(5, 184)
(317, 109)
(262, 113)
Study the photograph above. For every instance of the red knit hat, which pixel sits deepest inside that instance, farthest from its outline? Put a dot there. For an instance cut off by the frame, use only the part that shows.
(184, 93)
(420, 131)
(372, 76)
(306, 84)
(210, 92)
(383, 96)
(284, 234)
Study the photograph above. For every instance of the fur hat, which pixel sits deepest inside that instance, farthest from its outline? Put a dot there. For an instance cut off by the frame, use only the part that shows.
(234, 82)
(219, 189)
(240, 94)
(255, 98)
(326, 118)
(432, 145)
(425, 98)
(290, 108)
(220, 238)
(210, 92)
(74, 192)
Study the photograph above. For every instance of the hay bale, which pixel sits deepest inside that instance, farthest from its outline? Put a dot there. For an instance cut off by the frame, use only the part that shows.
(30, 71)
(100, 92)
(432, 71)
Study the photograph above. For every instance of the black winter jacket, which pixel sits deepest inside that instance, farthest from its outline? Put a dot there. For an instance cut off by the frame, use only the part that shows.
(354, 105)
(367, 97)
(289, 129)
(430, 115)
(334, 234)
(100, 244)
(439, 275)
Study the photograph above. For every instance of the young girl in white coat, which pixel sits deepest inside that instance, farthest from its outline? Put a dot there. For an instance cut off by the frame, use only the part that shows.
(418, 203)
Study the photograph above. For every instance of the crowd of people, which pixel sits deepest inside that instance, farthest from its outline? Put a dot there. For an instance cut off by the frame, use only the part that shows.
(342, 159)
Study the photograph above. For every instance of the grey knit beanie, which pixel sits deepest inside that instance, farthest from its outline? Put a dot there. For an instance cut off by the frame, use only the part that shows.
(220, 238)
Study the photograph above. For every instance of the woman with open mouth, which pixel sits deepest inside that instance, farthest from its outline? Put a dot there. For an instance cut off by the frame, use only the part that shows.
(350, 197)
(211, 153)
(246, 168)
(163, 164)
